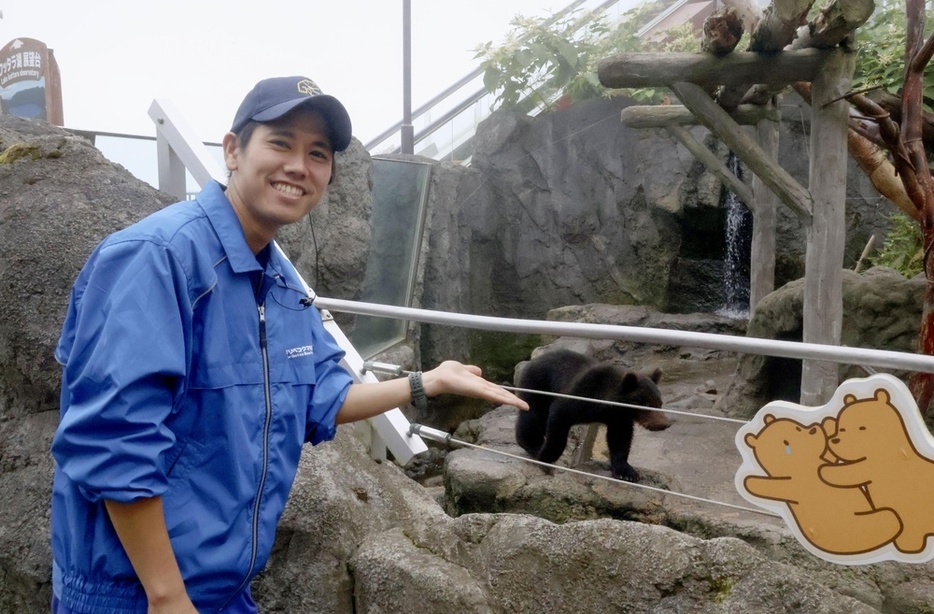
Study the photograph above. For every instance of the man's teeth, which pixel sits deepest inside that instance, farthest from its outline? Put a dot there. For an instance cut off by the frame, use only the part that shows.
(291, 190)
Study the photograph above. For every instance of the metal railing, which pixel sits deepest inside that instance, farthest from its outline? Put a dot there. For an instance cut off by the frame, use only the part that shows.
(770, 347)
(447, 136)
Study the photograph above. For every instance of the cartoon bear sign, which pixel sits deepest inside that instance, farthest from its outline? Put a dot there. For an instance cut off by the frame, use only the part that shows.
(853, 479)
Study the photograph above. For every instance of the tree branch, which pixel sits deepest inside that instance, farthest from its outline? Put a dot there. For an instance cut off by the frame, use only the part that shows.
(912, 119)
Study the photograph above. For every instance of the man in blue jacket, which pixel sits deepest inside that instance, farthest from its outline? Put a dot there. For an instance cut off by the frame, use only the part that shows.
(193, 373)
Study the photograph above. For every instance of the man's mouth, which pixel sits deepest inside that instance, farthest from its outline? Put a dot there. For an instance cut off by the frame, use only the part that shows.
(287, 189)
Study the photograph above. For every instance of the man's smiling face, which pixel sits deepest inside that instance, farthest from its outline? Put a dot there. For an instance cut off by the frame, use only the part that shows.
(279, 175)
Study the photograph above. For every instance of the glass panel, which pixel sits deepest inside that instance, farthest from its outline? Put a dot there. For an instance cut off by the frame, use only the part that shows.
(400, 193)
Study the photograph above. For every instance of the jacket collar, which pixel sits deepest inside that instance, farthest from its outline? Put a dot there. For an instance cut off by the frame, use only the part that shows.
(223, 218)
(226, 224)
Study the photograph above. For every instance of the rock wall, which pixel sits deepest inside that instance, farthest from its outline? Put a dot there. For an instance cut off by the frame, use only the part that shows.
(576, 208)
(58, 198)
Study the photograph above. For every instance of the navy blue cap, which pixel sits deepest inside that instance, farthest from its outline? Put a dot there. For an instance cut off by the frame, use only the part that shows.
(270, 99)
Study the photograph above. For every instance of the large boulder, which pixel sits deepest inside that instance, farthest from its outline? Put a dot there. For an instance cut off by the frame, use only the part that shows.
(881, 310)
(359, 536)
(569, 215)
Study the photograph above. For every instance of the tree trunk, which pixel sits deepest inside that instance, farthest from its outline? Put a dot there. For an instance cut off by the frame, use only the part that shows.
(918, 53)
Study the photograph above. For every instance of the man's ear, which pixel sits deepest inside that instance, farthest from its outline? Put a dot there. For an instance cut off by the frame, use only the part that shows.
(231, 146)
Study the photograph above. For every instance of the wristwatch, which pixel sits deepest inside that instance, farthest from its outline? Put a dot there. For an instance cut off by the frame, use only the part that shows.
(418, 390)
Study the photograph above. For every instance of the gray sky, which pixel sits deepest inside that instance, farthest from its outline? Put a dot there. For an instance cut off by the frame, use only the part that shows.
(115, 56)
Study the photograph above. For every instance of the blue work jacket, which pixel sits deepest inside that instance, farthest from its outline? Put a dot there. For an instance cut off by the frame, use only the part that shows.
(192, 373)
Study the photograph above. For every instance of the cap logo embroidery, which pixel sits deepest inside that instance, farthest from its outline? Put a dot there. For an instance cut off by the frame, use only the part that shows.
(309, 87)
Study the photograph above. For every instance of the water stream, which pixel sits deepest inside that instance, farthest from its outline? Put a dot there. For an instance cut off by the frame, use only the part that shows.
(738, 251)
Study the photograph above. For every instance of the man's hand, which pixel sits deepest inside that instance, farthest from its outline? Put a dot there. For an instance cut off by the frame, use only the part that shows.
(453, 377)
(140, 525)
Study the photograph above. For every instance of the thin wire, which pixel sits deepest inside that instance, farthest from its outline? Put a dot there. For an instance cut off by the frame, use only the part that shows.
(417, 428)
(618, 404)
(398, 370)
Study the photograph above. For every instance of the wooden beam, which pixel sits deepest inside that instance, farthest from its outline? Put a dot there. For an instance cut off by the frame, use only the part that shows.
(764, 214)
(660, 116)
(658, 69)
(721, 124)
(823, 265)
(713, 163)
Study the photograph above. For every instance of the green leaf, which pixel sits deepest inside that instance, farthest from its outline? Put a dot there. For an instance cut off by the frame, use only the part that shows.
(568, 53)
(491, 79)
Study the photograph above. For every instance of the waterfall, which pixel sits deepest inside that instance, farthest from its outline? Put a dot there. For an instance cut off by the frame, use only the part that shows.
(738, 252)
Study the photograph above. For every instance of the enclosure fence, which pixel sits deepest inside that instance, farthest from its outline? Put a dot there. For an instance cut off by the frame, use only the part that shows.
(867, 358)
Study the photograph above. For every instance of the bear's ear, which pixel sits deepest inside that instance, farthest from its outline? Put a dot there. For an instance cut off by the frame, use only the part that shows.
(829, 426)
(849, 399)
(768, 419)
(656, 374)
(630, 382)
(750, 440)
(882, 395)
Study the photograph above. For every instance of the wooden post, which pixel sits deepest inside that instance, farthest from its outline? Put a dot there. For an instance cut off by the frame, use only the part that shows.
(764, 210)
(823, 286)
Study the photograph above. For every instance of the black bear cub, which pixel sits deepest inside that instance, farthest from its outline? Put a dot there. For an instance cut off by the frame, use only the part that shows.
(543, 430)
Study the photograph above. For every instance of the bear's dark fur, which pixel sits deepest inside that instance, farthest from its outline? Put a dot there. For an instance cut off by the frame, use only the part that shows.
(543, 430)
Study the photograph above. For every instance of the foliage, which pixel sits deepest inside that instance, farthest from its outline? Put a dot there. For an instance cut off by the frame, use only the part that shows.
(881, 63)
(903, 248)
(540, 61)
(880, 60)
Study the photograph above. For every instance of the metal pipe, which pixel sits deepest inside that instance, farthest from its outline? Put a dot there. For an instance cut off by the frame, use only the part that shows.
(749, 345)
(407, 132)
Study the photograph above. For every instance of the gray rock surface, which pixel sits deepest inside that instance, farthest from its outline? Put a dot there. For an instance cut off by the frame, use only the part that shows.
(577, 208)
(359, 536)
(881, 310)
(689, 471)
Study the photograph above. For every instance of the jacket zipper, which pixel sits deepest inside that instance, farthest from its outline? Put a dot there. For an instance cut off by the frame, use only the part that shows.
(262, 480)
